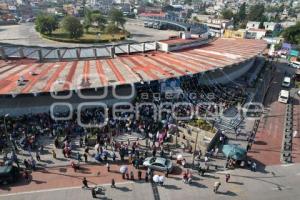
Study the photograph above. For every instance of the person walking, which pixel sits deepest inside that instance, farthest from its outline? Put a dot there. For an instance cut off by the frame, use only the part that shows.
(216, 186)
(108, 167)
(38, 157)
(227, 177)
(140, 175)
(85, 183)
(253, 166)
(146, 177)
(85, 155)
(80, 142)
(113, 183)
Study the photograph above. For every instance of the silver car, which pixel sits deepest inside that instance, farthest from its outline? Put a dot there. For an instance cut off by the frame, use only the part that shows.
(158, 164)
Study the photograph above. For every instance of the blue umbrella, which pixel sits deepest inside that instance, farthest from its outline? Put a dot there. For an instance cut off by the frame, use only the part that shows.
(235, 152)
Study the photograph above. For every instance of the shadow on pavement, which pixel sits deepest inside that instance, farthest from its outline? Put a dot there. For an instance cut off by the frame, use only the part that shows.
(229, 193)
(211, 176)
(171, 187)
(196, 184)
(236, 183)
(62, 159)
(38, 181)
(47, 161)
(260, 143)
(176, 171)
(123, 189)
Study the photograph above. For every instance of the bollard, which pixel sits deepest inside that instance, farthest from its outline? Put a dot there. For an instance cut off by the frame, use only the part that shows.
(112, 52)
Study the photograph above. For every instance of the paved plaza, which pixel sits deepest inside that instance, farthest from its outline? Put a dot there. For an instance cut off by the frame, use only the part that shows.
(274, 182)
(14, 34)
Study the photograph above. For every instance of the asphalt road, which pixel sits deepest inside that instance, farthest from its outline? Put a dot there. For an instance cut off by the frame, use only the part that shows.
(25, 34)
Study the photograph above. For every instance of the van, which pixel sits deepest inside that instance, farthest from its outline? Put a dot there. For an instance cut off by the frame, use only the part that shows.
(286, 82)
(283, 96)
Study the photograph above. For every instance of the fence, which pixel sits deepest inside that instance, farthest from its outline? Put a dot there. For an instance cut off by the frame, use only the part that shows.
(51, 53)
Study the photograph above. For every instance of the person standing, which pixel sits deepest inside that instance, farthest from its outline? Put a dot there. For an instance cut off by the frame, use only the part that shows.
(227, 177)
(140, 175)
(85, 155)
(253, 166)
(108, 167)
(113, 183)
(38, 157)
(80, 142)
(146, 177)
(85, 183)
(216, 186)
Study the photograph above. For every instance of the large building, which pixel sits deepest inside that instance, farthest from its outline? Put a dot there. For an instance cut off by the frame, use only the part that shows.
(24, 81)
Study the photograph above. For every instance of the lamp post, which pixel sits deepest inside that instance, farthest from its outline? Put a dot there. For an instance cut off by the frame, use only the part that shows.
(195, 146)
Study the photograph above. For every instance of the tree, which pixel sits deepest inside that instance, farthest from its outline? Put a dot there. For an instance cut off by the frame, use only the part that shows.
(99, 19)
(111, 28)
(242, 13)
(46, 24)
(117, 17)
(227, 14)
(73, 26)
(292, 34)
(87, 21)
(256, 13)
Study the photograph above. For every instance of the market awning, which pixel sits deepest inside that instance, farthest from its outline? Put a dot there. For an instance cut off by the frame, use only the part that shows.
(235, 152)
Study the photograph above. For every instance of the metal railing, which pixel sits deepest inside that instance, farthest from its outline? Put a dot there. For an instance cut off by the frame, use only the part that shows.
(63, 53)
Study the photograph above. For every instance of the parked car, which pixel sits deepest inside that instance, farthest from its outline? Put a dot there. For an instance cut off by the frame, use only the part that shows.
(158, 164)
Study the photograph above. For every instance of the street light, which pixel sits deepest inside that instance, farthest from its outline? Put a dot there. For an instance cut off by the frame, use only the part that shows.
(195, 148)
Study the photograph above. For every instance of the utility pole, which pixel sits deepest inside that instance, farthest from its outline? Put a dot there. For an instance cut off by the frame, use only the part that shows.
(177, 132)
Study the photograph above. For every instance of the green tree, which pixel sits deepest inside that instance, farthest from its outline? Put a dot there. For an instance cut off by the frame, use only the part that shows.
(117, 17)
(46, 24)
(292, 34)
(73, 26)
(227, 14)
(99, 19)
(87, 21)
(256, 13)
(242, 13)
(111, 28)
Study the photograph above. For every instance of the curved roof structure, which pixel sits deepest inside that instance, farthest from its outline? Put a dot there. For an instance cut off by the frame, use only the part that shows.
(123, 69)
